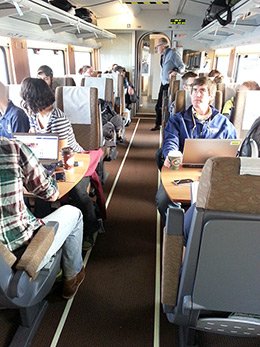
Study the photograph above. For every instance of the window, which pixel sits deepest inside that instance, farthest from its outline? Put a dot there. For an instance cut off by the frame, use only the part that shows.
(222, 64)
(248, 68)
(52, 58)
(81, 59)
(4, 77)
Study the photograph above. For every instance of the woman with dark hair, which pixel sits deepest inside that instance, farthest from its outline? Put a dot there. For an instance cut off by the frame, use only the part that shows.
(38, 101)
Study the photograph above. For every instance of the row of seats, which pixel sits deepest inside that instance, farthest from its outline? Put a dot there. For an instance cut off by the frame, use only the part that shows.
(215, 286)
(85, 116)
(17, 289)
(245, 110)
(212, 287)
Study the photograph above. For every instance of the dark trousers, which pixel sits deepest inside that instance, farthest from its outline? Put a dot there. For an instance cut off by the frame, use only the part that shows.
(81, 199)
(158, 106)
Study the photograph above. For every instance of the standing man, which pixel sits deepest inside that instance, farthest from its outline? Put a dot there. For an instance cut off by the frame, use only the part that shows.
(170, 61)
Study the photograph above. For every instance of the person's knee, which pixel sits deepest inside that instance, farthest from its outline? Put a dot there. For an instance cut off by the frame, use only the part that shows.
(72, 212)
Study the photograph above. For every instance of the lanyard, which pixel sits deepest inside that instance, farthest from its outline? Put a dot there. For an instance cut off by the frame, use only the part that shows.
(195, 125)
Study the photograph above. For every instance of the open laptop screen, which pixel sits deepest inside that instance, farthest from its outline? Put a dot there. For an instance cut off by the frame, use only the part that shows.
(44, 146)
(197, 151)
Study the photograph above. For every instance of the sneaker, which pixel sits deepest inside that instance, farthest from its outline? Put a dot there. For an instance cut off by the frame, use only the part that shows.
(59, 276)
(156, 127)
(88, 242)
(70, 287)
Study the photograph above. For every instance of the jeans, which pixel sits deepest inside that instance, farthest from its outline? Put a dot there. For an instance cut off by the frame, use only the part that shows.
(163, 202)
(68, 237)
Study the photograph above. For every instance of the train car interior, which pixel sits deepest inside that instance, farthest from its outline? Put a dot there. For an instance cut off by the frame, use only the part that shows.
(141, 287)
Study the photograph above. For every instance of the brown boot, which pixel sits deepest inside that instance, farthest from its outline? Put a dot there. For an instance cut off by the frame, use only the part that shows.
(70, 287)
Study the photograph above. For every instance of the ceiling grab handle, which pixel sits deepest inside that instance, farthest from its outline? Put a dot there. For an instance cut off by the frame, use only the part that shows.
(236, 19)
(47, 18)
(18, 8)
(78, 27)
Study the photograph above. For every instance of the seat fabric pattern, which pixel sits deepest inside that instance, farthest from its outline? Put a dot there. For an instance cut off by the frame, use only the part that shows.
(222, 188)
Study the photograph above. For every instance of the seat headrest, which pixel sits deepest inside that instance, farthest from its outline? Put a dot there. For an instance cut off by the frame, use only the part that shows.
(14, 94)
(99, 83)
(115, 78)
(76, 104)
(222, 188)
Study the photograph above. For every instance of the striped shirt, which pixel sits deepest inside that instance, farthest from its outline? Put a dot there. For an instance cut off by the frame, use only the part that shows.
(58, 124)
(20, 168)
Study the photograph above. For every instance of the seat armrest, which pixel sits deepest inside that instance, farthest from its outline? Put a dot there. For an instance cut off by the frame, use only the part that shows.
(8, 256)
(37, 249)
(172, 256)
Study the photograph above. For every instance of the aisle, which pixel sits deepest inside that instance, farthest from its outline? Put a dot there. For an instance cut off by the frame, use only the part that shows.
(115, 303)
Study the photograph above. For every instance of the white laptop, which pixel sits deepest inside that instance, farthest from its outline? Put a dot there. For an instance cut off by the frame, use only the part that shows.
(44, 146)
(197, 151)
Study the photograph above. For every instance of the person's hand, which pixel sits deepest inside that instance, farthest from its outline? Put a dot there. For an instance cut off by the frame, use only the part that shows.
(32, 131)
(131, 90)
(55, 196)
(167, 162)
(173, 73)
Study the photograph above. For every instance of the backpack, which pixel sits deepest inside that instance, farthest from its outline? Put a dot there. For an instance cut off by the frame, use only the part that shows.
(215, 10)
(86, 15)
(251, 144)
(63, 5)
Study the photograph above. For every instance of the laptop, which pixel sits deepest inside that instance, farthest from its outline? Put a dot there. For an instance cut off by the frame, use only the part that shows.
(197, 151)
(44, 146)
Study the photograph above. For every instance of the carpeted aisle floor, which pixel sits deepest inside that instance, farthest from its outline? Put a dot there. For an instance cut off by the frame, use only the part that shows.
(115, 304)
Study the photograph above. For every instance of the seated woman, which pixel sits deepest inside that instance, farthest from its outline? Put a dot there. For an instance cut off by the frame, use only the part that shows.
(45, 118)
(86, 71)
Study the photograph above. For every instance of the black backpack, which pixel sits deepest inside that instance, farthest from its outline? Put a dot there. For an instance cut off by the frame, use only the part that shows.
(251, 144)
(62, 4)
(215, 10)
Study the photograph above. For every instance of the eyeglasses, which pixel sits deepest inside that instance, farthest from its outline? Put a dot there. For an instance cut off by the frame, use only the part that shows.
(159, 44)
(200, 90)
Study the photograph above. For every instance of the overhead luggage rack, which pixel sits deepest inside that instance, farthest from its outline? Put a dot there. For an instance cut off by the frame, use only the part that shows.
(39, 20)
(245, 21)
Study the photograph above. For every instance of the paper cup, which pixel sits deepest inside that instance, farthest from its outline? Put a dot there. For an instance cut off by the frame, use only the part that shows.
(175, 158)
(67, 155)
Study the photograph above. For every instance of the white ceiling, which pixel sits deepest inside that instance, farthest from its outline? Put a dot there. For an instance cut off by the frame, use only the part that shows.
(109, 8)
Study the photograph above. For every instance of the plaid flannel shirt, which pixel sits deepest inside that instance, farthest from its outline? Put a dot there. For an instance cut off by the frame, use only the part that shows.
(19, 168)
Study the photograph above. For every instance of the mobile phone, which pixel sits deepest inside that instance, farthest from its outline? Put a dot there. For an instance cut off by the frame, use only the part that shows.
(60, 176)
(183, 181)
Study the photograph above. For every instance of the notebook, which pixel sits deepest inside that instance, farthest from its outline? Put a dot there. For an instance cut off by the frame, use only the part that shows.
(197, 151)
(44, 146)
